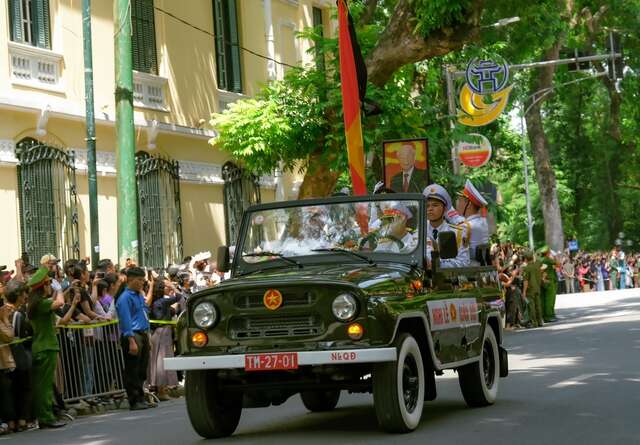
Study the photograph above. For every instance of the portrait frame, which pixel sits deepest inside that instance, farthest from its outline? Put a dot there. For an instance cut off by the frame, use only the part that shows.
(392, 169)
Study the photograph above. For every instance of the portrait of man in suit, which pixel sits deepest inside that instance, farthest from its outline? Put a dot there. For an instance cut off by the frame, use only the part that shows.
(406, 166)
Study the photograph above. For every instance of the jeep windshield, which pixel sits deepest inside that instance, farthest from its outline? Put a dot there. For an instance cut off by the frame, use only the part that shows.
(373, 229)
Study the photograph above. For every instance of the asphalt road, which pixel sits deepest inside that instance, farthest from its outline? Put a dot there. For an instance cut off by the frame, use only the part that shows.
(576, 381)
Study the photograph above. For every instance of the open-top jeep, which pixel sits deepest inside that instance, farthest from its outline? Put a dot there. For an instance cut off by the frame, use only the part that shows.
(337, 294)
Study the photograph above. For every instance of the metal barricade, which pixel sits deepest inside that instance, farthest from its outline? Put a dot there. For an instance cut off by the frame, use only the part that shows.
(91, 361)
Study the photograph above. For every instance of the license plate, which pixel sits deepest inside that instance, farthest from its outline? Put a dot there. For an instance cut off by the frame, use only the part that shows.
(271, 362)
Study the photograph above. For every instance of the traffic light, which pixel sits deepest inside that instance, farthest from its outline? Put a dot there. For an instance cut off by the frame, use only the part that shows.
(616, 62)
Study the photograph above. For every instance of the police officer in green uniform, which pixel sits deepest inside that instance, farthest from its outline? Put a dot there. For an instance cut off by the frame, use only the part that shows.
(549, 287)
(40, 309)
(532, 275)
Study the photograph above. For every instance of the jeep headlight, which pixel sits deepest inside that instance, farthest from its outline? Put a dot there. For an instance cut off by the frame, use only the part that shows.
(345, 307)
(205, 315)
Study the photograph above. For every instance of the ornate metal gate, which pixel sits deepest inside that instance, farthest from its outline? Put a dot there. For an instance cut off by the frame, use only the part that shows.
(48, 201)
(159, 212)
(241, 190)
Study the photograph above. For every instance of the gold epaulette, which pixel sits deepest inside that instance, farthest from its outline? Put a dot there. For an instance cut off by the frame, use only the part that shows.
(459, 228)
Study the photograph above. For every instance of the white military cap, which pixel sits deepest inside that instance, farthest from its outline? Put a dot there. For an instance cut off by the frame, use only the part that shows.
(436, 191)
(393, 208)
(473, 195)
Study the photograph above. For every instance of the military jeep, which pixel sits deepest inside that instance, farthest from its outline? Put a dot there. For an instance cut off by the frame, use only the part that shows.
(338, 295)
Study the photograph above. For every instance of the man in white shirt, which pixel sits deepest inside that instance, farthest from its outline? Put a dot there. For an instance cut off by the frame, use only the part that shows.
(471, 204)
(51, 262)
(438, 201)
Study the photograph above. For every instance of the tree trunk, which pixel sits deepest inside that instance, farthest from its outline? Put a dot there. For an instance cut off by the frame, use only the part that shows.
(319, 180)
(399, 44)
(545, 175)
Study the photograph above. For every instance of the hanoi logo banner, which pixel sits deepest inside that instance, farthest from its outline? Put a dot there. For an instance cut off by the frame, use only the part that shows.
(485, 94)
(406, 165)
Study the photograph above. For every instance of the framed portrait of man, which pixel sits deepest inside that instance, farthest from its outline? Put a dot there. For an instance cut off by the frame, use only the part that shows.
(406, 165)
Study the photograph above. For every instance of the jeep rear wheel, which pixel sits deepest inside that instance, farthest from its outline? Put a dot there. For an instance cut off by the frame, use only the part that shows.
(479, 381)
(398, 388)
(213, 413)
(318, 401)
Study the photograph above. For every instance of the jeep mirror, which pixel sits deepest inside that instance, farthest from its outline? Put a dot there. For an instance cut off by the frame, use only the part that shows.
(447, 245)
(223, 259)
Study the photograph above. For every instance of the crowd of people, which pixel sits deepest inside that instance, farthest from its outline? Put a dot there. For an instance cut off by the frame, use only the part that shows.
(532, 280)
(37, 300)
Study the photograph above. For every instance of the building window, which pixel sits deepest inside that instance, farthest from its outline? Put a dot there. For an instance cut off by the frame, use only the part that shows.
(241, 190)
(227, 45)
(160, 218)
(30, 22)
(319, 27)
(48, 201)
(143, 40)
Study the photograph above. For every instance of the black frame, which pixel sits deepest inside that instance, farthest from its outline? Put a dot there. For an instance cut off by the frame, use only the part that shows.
(415, 259)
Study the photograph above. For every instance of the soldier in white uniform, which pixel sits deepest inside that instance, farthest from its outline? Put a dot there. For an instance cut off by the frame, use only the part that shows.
(438, 202)
(395, 235)
(471, 205)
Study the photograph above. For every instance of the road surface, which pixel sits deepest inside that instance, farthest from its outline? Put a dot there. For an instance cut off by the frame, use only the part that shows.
(576, 381)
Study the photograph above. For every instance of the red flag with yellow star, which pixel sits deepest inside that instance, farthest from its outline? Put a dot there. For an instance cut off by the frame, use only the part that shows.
(353, 78)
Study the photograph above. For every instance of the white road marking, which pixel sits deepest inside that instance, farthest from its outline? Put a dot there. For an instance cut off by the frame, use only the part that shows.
(575, 381)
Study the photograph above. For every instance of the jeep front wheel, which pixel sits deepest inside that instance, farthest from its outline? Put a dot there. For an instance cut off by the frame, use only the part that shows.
(213, 413)
(318, 401)
(479, 381)
(398, 388)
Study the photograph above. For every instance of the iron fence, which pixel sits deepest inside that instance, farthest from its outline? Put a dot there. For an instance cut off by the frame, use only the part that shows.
(158, 182)
(47, 199)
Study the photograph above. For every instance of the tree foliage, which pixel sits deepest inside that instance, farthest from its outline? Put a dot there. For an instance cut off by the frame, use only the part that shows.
(591, 126)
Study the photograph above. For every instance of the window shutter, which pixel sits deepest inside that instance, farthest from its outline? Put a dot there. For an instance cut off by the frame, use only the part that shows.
(15, 15)
(41, 26)
(143, 40)
(136, 29)
(150, 56)
(219, 14)
(234, 49)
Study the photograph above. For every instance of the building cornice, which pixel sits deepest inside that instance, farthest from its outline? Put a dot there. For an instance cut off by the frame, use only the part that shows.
(66, 110)
(190, 171)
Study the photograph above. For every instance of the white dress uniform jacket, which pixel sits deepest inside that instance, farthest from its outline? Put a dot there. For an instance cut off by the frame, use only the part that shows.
(479, 235)
(462, 260)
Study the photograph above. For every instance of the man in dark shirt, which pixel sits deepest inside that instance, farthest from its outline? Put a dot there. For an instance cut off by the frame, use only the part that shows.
(134, 331)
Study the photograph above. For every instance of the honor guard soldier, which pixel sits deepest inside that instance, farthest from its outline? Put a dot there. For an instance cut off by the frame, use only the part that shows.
(471, 205)
(438, 202)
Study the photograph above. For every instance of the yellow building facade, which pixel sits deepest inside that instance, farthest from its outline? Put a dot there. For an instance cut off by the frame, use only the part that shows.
(192, 58)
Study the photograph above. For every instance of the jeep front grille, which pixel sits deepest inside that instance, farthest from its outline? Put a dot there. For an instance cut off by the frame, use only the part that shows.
(266, 326)
(289, 298)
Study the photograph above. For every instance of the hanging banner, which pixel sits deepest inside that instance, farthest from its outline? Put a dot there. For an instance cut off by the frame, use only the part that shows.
(353, 80)
(486, 92)
(474, 154)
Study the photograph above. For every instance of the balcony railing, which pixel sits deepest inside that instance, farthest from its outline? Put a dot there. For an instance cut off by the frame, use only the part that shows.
(148, 91)
(35, 67)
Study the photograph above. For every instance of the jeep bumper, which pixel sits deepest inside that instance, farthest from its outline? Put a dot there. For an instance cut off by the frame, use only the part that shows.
(305, 358)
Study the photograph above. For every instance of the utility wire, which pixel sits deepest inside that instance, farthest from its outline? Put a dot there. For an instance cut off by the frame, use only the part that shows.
(223, 39)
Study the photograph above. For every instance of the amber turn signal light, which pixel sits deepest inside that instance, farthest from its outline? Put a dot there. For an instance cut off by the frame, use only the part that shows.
(355, 331)
(199, 339)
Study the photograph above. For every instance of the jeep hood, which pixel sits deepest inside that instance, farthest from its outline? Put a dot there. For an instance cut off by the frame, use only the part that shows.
(368, 278)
